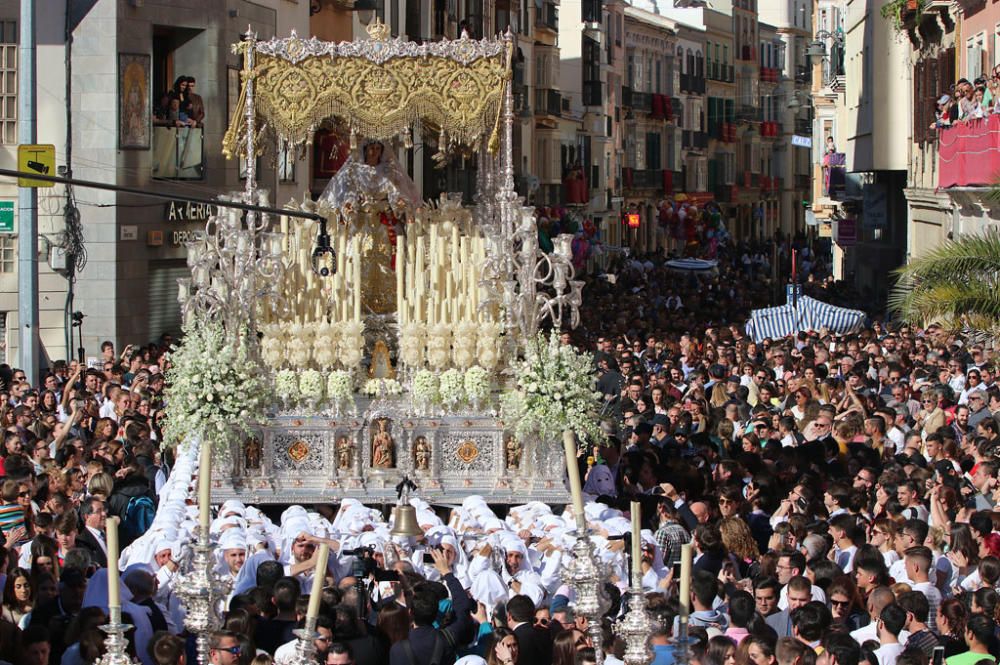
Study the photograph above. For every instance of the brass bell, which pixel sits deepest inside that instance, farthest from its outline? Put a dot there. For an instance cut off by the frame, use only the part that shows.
(404, 522)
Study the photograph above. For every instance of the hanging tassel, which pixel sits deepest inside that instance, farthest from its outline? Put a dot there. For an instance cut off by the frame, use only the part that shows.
(354, 139)
(407, 138)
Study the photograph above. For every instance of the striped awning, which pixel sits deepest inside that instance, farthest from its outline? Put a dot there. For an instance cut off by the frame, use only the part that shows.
(692, 265)
(809, 314)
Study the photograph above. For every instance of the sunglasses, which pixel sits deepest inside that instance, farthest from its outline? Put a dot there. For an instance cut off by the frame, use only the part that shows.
(839, 603)
(236, 650)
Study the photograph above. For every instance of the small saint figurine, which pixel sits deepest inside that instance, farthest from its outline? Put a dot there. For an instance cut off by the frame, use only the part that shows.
(345, 452)
(421, 454)
(383, 448)
(513, 450)
(251, 453)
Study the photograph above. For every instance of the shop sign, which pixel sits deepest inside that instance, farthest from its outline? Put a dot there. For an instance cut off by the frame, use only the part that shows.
(179, 238)
(633, 220)
(185, 211)
(847, 232)
(6, 216)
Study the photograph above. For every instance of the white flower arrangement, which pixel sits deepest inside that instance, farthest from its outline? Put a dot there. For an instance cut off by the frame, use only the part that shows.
(352, 343)
(425, 386)
(451, 386)
(412, 339)
(299, 345)
(215, 389)
(286, 385)
(382, 387)
(477, 383)
(463, 346)
(311, 384)
(339, 387)
(438, 346)
(272, 348)
(325, 345)
(555, 392)
(486, 345)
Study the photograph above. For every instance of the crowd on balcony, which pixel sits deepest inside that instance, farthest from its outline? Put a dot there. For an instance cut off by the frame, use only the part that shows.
(969, 101)
(180, 106)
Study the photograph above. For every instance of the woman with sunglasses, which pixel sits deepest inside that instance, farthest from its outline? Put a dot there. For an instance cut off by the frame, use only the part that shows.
(846, 605)
(931, 416)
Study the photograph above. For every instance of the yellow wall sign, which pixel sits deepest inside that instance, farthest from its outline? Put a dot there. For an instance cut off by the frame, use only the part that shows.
(36, 158)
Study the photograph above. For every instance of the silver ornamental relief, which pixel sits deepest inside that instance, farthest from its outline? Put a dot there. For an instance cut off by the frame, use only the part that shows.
(468, 453)
(299, 451)
(465, 51)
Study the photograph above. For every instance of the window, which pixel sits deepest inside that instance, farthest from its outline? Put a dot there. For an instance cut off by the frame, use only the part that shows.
(975, 50)
(996, 45)
(8, 244)
(8, 82)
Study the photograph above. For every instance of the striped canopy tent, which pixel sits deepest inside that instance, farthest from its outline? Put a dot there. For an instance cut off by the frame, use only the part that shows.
(692, 265)
(810, 314)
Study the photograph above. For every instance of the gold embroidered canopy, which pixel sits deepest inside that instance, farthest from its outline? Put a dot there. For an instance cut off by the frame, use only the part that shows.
(380, 87)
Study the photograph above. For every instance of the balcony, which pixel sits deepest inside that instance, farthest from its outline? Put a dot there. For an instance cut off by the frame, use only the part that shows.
(642, 101)
(969, 153)
(592, 93)
(548, 102)
(643, 179)
(592, 11)
(547, 17)
(178, 153)
(770, 130)
(769, 74)
(747, 113)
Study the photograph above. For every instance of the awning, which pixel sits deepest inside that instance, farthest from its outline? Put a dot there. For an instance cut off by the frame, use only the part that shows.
(809, 314)
(691, 265)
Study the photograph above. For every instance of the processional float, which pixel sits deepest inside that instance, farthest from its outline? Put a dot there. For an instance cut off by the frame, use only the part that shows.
(388, 321)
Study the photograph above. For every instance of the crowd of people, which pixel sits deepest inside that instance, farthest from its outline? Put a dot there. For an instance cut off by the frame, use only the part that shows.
(839, 493)
(180, 106)
(969, 101)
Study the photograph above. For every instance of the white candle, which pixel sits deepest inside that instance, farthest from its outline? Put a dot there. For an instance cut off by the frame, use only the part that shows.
(283, 223)
(400, 261)
(114, 592)
(319, 576)
(573, 470)
(687, 552)
(455, 273)
(418, 277)
(636, 511)
(204, 486)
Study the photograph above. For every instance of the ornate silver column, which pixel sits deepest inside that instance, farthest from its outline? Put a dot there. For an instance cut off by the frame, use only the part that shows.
(585, 573)
(203, 592)
(115, 643)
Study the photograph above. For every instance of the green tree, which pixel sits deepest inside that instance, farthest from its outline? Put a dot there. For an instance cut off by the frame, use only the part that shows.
(957, 284)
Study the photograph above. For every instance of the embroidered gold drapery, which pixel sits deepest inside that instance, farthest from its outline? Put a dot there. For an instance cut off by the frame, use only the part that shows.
(380, 87)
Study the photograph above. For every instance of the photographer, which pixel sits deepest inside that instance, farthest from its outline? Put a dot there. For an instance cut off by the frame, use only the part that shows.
(426, 644)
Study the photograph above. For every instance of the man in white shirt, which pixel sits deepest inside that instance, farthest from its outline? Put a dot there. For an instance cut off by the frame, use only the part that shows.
(918, 564)
(878, 599)
(890, 623)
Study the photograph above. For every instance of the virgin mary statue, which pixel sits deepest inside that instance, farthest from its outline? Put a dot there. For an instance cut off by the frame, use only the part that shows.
(372, 176)
(372, 190)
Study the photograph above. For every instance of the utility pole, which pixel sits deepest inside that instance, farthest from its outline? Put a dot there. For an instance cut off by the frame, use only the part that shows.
(27, 203)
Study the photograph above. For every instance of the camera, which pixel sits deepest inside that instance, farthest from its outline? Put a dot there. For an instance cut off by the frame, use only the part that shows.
(363, 552)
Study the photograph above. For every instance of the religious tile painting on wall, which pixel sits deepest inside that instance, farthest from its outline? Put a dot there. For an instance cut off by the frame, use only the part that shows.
(134, 111)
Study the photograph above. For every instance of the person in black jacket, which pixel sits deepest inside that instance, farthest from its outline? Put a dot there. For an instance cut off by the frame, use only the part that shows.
(426, 645)
(535, 644)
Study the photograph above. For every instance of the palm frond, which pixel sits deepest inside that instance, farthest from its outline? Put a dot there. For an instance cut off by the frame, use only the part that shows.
(972, 255)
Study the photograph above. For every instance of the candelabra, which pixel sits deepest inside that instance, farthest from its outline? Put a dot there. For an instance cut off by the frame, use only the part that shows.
(202, 592)
(305, 647)
(585, 575)
(636, 626)
(115, 643)
(236, 266)
(542, 285)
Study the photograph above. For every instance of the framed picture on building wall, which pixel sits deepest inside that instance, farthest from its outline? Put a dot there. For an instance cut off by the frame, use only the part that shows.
(135, 113)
